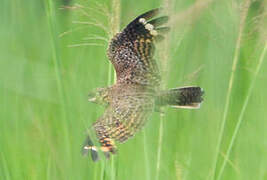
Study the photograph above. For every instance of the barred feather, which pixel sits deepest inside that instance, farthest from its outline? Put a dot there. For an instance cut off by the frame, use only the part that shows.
(131, 51)
(184, 97)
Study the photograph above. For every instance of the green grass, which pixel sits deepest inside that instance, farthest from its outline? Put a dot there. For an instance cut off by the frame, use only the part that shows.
(44, 114)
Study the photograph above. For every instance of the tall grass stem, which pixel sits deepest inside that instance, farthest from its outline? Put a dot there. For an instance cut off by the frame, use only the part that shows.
(243, 16)
(240, 118)
(114, 28)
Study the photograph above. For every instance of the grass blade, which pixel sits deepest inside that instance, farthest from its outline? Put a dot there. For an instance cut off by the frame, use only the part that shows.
(230, 85)
(240, 118)
(114, 28)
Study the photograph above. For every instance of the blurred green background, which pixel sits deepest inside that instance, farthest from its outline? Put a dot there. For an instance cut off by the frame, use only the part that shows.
(44, 82)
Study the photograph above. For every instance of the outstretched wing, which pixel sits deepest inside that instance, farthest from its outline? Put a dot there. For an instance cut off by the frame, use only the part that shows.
(122, 120)
(131, 51)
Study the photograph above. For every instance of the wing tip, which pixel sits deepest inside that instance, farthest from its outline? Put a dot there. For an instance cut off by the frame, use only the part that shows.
(107, 147)
(88, 146)
(93, 151)
(151, 13)
(153, 26)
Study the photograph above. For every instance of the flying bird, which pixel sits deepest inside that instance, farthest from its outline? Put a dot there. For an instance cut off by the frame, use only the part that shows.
(136, 93)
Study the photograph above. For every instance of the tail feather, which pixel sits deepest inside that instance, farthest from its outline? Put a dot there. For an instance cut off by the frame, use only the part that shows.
(185, 97)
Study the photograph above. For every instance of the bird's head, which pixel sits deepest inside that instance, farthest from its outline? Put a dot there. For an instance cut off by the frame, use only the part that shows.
(99, 96)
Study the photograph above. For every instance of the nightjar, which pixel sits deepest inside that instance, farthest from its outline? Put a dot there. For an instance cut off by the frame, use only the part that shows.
(136, 93)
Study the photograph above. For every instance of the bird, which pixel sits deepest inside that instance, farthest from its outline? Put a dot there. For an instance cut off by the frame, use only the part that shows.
(137, 92)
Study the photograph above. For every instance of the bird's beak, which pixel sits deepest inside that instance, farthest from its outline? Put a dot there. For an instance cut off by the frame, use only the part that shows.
(91, 97)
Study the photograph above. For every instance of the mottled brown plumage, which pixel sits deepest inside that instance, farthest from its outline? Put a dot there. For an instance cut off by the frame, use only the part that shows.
(136, 93)
(131, 51)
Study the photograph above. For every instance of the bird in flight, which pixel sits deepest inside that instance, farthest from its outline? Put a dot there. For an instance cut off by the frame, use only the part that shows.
(136, 93)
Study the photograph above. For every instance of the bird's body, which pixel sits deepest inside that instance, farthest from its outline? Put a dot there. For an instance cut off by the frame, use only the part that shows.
(126, 113)
(136, 93)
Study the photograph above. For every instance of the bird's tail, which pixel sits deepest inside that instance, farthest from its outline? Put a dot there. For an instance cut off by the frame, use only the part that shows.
(185, 97)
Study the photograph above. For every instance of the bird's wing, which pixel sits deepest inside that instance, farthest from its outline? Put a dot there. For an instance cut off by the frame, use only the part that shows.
(131, 51)
(122, 120)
